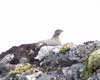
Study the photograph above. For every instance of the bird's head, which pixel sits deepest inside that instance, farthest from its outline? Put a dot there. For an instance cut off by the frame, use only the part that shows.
(57, 32)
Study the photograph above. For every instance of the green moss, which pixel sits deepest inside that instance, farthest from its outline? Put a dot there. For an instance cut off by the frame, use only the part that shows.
(85, 72)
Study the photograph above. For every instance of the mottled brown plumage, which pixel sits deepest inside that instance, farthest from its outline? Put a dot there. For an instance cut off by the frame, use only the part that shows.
(54, 41)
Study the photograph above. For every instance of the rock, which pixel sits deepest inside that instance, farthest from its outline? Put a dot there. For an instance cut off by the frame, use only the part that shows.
(28, 51)
(56, 60)
(47, 76)
(23, 78)
(4, 69)
(35, 74)
(38, 61)
(67, 73)
(78, 53)
(46, 50)
(7, 58)
(73, 72)
(65, 47)
(24, 60)
(20, 68)
(95, 76)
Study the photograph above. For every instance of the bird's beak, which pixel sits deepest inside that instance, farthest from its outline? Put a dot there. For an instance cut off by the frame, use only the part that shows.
(61, 30)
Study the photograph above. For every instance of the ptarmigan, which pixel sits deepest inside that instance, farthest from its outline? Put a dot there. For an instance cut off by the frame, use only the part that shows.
(54, 41)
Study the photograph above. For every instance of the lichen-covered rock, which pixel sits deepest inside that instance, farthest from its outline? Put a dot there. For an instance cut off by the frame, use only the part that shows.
(56, 60)
(65, 47)
(20, 68)
(35, 74)
(80, 53)
(46, 51)
(7, 58)
(67, 73)
(38, 61)
(28, 51)
(4, 69)
(73, 72)
(25, 76)
(95, 76)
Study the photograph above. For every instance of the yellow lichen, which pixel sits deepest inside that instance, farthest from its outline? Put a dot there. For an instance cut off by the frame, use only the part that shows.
(20, 68)
(30, 52)
(65, 47)
(29, 72)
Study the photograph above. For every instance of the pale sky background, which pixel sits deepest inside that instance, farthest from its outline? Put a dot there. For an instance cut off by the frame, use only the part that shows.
(28, 21)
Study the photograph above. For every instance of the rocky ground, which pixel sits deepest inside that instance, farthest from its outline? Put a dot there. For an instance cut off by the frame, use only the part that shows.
(41, 62)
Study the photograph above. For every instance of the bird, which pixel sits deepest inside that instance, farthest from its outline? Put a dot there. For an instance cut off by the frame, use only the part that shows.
(54, 40)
